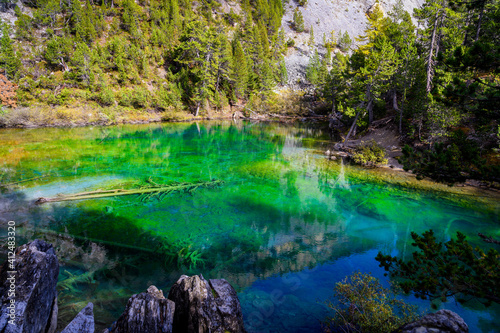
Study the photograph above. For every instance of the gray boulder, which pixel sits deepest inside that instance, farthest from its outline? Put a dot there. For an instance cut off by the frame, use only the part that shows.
(33, 308)
(205, 306)
(147, 312)
(443, 321)
(83, 322)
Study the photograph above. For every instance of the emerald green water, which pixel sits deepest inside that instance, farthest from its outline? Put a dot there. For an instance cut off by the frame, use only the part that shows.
(283, 228)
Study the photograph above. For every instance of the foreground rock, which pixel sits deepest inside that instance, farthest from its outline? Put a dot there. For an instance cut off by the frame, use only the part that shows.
(83, 322)
(35, 306)
(205, 306)
(443, 321)
(147, 312)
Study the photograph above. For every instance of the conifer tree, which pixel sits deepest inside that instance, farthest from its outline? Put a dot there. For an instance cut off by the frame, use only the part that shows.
(441, 33)
(239, 69)
(198, 50)
(9, 60)
(57, 52)
(311, 42)
(371, 73)
(130, 17)
(82, 65)
(313, 68)
(375, 28)
(298, 20)
(264, 39)
(175, 17)
(344, 41)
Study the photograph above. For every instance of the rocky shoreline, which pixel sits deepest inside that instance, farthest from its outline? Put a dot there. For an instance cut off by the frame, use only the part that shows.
(29, 303)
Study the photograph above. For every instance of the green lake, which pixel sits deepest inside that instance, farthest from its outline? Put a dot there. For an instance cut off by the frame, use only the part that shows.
(283, 227)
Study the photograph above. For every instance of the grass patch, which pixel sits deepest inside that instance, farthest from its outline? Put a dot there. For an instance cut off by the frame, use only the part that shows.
(75, 115)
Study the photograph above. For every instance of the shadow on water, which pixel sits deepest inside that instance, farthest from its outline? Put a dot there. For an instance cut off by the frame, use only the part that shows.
(104, 256)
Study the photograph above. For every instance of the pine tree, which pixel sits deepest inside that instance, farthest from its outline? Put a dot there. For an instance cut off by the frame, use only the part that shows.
(175, 17)
(57, 52)
(9, 60)
(199, 51)
(239, 69)
(130, 17)
(344, 41)
(442, 33)
(375, 28)
(371, 74)
(264, 39)
(311, 42)
(313, 68)
(82, 65)
(298, 20)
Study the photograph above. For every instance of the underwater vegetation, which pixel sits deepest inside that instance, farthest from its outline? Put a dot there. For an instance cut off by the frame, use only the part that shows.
(255, 204)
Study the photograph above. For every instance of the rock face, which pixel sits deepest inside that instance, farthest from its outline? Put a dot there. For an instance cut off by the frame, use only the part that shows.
(147, 312)
(325, 17)
(83, 322)
(35, 306)
(205, 306)
(443, 321)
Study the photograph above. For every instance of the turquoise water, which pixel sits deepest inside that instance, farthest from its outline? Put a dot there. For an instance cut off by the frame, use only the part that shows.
(283, 228)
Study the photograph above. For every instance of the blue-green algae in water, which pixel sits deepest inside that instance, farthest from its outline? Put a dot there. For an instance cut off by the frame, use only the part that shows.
(285, 226)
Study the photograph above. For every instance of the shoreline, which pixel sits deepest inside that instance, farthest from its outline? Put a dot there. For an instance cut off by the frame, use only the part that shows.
(136, 117)
(77, 116)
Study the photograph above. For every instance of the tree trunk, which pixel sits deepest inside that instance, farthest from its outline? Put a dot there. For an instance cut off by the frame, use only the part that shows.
(369, 106)
(479, 21)
(430, 65)
(467, 22)
(400, 110)
(353, 126)
(217, 92)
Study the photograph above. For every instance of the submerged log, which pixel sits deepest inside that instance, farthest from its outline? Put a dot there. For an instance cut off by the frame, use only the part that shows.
(156, 190)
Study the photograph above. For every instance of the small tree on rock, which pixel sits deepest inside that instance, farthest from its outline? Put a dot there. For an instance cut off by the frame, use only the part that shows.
(298, 21)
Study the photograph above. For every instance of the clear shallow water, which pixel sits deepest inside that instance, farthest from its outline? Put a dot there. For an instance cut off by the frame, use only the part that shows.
(285, 226)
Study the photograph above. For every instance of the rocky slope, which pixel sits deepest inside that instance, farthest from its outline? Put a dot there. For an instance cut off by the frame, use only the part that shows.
(326, 16)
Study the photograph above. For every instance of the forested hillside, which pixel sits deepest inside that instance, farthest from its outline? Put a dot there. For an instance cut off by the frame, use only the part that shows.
(441, 81)
(152, 54)
(435, 70)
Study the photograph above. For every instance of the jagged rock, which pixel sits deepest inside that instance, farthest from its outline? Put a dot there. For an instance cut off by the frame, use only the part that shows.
(83, 322)
(147, 312)
(205, 306)
(443, 321)
(35, 307)
(238, 115)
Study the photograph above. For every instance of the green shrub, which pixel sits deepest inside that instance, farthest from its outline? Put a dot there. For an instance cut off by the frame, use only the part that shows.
(370, 154)
(168, 95)
(140, 97)
(298, 21)
(125, 97)
(457, 159)
(344, 41)
(363, 305)
(106, 96)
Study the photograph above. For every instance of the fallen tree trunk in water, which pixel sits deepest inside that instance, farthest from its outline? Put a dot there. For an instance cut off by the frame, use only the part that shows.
(146, 193)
